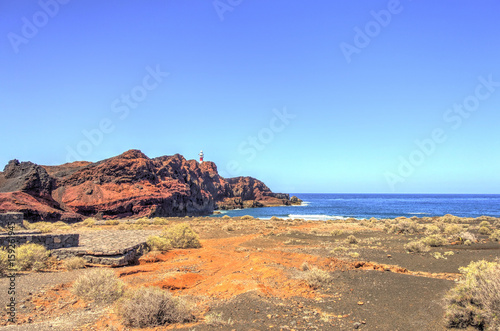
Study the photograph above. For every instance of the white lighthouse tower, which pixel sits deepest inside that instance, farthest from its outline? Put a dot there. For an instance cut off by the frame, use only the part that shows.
(201, 156)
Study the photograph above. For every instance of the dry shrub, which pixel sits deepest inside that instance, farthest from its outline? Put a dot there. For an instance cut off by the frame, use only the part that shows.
(475, 300)
(31, 257)
(143, 221)
(112, 222)
(157, 243)
(484, 223)
(339, 250)
(75, 262)
(495, 236)
(432, 229)
(44, 227)
(150, 307)
(435, 240)
(215, 319)
(4, 261)
(247, 217)
(228, 227)
(100, 285)
(466, 235)
(226, 217)
(484, 230)
(438, 255)
(448, 218)
(416, 247)
(337, 232)
(160, 221)
(406, 226)
(452, 229)
(316, 278)
(352, 239)
(277, 219)
(304, 266)
(89, 222)
(182, 236)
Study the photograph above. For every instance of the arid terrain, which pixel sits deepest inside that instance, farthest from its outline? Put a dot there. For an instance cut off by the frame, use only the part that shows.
(252, 274)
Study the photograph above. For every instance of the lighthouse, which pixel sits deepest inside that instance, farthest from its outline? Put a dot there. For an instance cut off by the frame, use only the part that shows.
(201, 156)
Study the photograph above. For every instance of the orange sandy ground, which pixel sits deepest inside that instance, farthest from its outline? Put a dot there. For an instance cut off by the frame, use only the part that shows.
(221, 269)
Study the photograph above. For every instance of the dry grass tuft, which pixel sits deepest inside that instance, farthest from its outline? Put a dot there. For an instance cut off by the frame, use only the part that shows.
(75, 262)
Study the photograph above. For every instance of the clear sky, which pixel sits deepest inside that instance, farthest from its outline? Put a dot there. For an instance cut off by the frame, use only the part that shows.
(324, 96)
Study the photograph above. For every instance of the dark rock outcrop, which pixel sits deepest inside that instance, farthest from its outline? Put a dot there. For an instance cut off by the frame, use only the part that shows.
(128, 185)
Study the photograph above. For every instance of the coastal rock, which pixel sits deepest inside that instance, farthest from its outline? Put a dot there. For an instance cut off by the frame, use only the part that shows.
(127, 185)
(294, 200)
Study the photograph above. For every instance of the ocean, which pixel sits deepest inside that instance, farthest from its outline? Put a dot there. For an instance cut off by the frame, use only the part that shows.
(338, 206)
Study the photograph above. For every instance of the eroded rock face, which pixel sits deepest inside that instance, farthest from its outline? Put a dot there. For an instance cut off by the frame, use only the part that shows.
(127, 185)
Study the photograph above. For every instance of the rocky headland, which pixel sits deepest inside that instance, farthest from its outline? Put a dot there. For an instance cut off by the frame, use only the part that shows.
(127, 185)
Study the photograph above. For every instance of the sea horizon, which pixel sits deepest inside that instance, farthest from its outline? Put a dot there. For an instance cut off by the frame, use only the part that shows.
(325, 206)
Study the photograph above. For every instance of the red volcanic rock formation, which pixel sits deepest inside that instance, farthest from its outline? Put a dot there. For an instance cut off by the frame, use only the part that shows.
(127, 185)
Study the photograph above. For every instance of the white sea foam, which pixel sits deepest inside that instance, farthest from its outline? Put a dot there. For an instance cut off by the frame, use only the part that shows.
(302, 204)
(316, 217)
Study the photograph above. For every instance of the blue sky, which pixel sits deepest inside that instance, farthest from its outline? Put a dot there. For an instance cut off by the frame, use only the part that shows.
(329, 96)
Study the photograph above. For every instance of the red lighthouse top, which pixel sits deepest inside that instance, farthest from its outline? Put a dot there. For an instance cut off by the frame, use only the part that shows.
(201, 156)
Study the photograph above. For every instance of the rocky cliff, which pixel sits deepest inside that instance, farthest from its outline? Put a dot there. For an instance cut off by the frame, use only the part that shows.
(128, 185)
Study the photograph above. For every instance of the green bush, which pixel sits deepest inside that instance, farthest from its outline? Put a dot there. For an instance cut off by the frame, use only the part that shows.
(31, 257)
(182, 236)
(157, 243)
(99, 285)
(434, 240)
(475, 300)
(75, 262)
(416, 247)
(150, 307)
